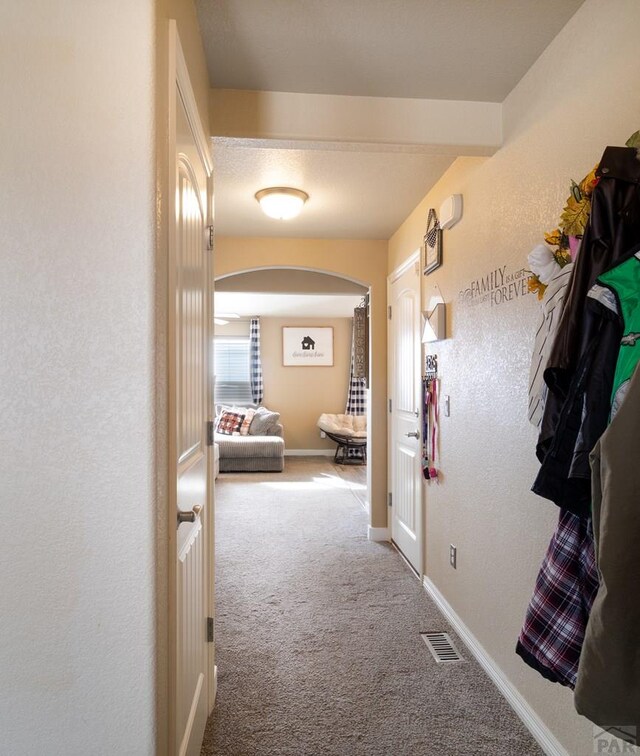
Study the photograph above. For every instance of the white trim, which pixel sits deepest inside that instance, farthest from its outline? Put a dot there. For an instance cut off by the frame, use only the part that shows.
(543, 735)
(192, 717)
(214, 686)
(404, 267)
(414, 259)
(190, 105)
(379, 534)
(309, 452)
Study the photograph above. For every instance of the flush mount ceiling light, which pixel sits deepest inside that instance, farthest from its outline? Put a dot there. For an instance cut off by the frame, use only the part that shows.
(281, 202)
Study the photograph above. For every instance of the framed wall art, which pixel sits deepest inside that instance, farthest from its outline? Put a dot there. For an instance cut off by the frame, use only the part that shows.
(432, 244)
(307, 347)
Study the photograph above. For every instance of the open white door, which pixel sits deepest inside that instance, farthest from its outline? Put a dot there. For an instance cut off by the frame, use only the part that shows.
(189, 369)
(405, 414)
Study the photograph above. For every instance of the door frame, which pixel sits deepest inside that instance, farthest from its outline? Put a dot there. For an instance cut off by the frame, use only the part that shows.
(179, 82)
(413, 259)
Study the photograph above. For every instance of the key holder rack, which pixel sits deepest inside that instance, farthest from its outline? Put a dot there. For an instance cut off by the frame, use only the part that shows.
(430, 366)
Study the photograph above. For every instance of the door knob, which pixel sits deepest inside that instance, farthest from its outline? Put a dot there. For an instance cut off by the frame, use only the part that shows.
(189, 516)
(415, 434)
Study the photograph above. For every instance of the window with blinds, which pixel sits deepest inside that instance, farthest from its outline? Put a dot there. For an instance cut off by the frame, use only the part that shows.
(232, 370)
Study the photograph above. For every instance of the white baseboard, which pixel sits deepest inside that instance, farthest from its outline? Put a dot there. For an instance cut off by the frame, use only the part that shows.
(309, 452)
(379, 534)
(543, 735)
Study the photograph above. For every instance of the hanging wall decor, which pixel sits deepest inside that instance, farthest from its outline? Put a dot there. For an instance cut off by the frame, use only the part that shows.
(360, 341)
(307, 347)
(432, 244)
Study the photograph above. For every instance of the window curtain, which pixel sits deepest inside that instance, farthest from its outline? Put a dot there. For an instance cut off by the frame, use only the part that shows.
(356, 395)
(257, 386)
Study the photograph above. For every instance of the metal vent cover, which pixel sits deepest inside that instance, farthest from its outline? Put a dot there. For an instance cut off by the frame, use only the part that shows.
(442, 647)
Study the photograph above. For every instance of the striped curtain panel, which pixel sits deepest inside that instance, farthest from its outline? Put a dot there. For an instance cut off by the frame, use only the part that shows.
(356, 397)
(357, 393)
(255, 365)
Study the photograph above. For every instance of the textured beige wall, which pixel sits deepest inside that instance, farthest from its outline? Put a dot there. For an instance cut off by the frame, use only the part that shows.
(363, 261)
(573, 102)
(77, 385)
(302, 394)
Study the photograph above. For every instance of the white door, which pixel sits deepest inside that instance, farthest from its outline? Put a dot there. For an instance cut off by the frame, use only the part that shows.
(189, 462)
(405, 413)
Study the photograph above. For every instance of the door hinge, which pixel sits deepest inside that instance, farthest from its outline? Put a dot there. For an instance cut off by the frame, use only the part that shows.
(390, 499)
(390, 406)
(210, 432)
(210, 237)
(209, 629)
(389, 312)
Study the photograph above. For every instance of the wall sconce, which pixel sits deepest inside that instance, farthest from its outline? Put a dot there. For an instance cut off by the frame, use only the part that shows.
(435, 324)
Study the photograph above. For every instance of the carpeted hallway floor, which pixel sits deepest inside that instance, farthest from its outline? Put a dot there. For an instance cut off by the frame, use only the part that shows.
(317, 633)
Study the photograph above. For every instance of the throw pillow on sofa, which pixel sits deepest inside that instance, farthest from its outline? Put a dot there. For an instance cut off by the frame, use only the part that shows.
(263, 421)
(246, 423)
(229, 423)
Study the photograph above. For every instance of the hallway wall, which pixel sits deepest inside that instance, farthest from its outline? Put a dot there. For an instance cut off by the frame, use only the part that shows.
(77, 214)
(362, 260)
(575, 100)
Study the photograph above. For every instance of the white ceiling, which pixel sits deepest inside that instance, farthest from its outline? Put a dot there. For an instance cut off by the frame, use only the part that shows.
(473, 50)
(248, 304)
(352, 194)
(439, 49)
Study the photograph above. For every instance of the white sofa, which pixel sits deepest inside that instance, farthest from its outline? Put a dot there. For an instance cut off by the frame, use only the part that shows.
(252, 453)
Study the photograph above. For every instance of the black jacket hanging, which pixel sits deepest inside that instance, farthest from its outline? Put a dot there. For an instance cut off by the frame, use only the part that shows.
(577, 406)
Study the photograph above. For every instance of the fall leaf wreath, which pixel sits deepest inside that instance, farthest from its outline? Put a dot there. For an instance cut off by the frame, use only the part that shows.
(573, 220)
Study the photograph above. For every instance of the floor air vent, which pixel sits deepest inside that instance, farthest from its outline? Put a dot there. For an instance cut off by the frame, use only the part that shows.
(441, 647)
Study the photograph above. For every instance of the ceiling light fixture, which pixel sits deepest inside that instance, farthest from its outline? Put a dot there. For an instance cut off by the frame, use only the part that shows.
(227, 315)
(220, 321)
(281, 202)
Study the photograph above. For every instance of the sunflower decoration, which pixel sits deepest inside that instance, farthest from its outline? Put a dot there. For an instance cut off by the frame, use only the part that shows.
(564, 240)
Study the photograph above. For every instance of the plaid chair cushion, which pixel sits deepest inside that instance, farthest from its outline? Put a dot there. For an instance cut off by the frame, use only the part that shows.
(229, 423)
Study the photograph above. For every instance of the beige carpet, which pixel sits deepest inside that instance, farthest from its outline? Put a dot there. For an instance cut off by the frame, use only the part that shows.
(317, 633)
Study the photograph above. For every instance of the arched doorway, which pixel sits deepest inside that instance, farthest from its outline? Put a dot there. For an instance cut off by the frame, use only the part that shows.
(342, 270)
(291, 291)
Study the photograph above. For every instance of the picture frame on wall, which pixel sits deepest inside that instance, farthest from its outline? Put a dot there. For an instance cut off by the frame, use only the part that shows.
(307, 347)
(432, 244)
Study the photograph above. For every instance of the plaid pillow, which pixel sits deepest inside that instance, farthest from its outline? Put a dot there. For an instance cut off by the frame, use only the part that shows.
(230, 423)
(244, 428)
